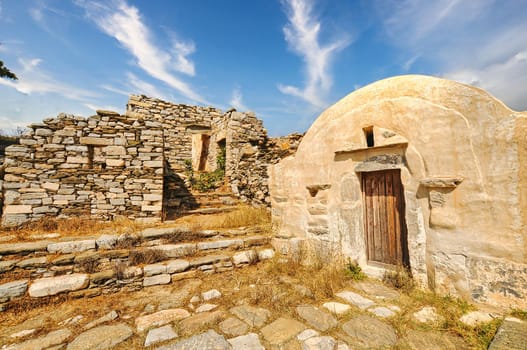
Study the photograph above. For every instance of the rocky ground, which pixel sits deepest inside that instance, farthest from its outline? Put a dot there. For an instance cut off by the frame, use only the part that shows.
(276, 303)
(251, 308)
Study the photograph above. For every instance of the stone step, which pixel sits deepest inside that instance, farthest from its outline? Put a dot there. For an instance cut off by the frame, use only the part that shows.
(205, 211)
(133, 276)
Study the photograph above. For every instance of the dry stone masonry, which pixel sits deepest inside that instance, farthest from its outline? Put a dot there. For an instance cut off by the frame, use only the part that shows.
(134, 165)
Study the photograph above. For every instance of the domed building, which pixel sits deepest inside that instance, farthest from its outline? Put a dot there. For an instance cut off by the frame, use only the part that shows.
(419, 172)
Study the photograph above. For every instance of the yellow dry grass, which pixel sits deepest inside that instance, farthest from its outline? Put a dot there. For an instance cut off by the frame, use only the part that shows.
(242, 216)
(75, 226)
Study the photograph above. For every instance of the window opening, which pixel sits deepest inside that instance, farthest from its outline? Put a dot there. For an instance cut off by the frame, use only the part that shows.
(368, 133)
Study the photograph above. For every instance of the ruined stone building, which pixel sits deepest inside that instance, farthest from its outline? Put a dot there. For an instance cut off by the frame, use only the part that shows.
(414, 171)
(135, 165)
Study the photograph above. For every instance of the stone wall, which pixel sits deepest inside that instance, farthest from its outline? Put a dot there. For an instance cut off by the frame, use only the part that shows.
(102, 166)
(134, 164)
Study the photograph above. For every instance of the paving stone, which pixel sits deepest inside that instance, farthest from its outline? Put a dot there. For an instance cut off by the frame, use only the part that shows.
(233, 326)
(427, 314)
(209, 340)
(211, 294)
(319, 343)
(13, 289)
(55, 285)
(112, 315)
(253, 316)
(206, 307)
(246, 342)
(476, 317)
(160, 334)
(46, 341)
(282, 330)
(337, 308)
(376, 290)
(308, 333)
(512, 335)
(71, 247)
(355, 299)
(316, 318)
(370, 332)
(160, 318)
(199, 321)
(381, 311)
(101, 338)
(432, 340)
(157, 280)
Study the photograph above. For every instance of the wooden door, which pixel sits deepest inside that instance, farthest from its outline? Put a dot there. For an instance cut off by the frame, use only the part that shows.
(385, 226)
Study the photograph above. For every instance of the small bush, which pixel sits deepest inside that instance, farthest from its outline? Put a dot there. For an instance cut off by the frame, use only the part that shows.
(354, 271)
(127, 242)
(89, 265)
(521, 314)
(400, 278)
(146, 256)
(120, 270)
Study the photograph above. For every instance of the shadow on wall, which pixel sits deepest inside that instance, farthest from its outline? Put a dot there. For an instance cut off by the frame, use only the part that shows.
(176, 197)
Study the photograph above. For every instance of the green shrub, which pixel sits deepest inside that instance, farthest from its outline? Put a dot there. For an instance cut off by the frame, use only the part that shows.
(354, 271)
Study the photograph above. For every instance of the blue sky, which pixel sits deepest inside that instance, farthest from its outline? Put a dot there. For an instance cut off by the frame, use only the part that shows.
(285, 60)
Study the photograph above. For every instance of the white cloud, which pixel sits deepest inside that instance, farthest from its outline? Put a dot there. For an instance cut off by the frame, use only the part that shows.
(302, 35)
(30, 80)
(181, 50)
(141, 87)
(97, 107)
(124, 23)
(237, 100)
(482, 42)
(29, 65)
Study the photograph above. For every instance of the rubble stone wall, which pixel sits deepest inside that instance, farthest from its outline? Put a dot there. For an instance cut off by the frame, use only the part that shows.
(134, 165)
(102, 166)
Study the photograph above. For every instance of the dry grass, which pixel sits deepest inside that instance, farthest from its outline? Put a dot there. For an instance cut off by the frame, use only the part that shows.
(146, 256)
(75, 226)
(400, 279)
(242, 216)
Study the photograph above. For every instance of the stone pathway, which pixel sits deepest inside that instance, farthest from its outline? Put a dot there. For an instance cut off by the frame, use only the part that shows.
(196, 314)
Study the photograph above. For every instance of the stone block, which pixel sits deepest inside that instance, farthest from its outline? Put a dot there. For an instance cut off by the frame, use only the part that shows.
(114, 150)
(13, 289)
(71, 247)
(18, 209)
(153, 164)
(156, 280)
(96, 141)
(115, 162)
(160, 318)
(77, 160)
(55, 285)
(51, 186)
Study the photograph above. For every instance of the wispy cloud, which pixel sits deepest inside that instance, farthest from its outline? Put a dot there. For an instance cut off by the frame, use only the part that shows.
(124, 23)
(32, 80)
(139, 86)
(237, 100)
(482, 43)
(302, 35)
